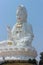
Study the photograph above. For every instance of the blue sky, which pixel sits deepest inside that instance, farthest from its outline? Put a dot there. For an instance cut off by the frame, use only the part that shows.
(35, 17)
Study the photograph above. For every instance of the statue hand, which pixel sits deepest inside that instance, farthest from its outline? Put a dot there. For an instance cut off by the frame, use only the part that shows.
(8, 29)
(9, 32)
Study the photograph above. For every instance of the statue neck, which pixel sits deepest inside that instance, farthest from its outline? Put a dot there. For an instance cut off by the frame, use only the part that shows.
(21, 22)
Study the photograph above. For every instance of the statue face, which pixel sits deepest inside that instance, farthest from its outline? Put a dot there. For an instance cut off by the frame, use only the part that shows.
(21, 14)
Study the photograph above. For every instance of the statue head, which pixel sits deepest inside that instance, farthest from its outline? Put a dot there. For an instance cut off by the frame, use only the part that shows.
(21, 14)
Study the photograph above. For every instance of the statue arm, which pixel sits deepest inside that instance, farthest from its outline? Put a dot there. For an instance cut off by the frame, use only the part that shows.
(9, 33)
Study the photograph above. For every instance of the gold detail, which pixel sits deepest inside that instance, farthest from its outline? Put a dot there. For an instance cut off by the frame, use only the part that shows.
(9, 43)
(19, 25)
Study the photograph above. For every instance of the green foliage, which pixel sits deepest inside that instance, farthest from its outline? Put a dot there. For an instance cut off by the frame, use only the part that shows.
(29, 61)
(32, 61)
(41, 55)
(41, 59)
(40, 62)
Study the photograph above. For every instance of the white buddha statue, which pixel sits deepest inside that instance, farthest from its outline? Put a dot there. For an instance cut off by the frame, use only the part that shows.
(21, 37)
(22, 33)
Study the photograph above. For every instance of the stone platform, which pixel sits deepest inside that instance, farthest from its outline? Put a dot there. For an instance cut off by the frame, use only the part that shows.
(21, 55)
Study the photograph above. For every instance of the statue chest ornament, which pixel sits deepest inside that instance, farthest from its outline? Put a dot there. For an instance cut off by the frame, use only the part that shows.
(19, 28)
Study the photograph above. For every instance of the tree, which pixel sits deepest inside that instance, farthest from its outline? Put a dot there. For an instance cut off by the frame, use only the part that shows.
(29, 61)
(41, 55)
(41, 59)
(34, 61)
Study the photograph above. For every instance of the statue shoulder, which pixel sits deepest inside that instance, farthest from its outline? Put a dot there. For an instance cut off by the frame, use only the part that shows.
(29, 28)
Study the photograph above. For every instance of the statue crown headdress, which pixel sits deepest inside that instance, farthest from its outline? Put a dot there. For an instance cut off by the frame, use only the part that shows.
(22, 7)
(23, 10)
